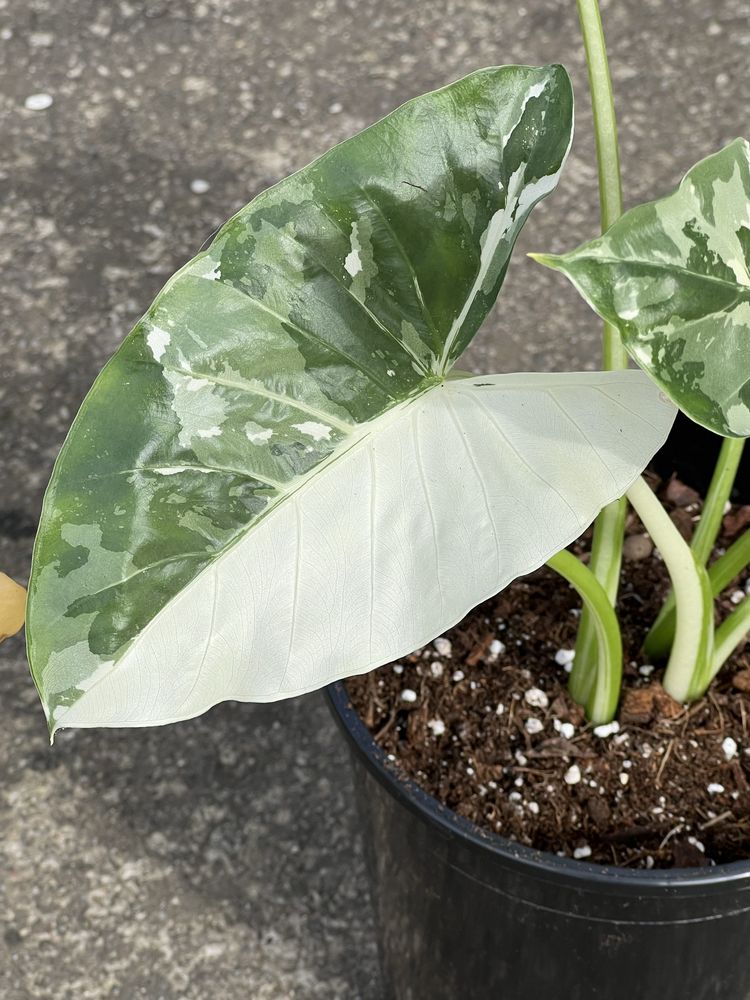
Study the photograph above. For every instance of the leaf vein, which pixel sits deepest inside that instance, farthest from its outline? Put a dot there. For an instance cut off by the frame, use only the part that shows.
(524, 461)
(265, 393)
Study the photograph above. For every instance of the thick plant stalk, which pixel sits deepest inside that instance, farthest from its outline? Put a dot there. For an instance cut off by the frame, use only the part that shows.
(730, 634)
(731, 564)
(607, 149)
(719, 491)
(720, 575)
(601, 703)
(661, 633)
(688, 671)
(606, 558)
(606, 548)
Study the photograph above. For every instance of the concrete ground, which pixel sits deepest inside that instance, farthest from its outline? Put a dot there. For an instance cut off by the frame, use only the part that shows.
(219, 858)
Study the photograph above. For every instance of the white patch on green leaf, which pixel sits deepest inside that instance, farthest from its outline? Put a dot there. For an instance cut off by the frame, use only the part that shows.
(208, 266)
(104, 668)
(158, 341)
(352, 263)
(535, 90)
(318, 432)
(257, 434)
(360, 262)
(731, 208)
(199, 405)
(631, 295)
(498, 227)
(738, 418)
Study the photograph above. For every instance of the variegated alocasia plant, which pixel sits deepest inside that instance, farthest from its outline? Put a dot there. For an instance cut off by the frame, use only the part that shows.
(277, 481)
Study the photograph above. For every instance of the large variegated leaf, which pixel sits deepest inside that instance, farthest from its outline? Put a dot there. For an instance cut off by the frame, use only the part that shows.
(272, 484)
(674, 277)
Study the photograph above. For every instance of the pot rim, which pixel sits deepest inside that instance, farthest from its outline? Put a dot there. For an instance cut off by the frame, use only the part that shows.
(551, 867)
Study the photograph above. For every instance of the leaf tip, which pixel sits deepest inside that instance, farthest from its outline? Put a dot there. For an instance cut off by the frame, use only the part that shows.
(546, 259)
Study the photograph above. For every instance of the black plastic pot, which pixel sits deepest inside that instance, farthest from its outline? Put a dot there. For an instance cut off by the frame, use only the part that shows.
(463, 914)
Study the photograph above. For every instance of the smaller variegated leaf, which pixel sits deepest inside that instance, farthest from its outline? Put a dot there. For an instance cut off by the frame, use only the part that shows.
(674, 277)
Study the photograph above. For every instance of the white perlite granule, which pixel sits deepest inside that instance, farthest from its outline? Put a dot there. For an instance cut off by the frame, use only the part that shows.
(566, 729)
(572, 775)
(497, 648)
(443, 646)
(609, 729)
(564, 657)
(536, 698)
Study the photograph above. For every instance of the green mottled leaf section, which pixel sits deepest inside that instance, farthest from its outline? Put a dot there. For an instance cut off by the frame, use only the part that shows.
(674, 277)
(339, 293)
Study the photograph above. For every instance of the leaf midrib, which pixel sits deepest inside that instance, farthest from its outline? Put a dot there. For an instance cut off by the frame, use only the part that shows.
(662, 265)
(266, 394)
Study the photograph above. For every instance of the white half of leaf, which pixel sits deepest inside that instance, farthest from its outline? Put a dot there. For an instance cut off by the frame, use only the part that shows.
(437, 505)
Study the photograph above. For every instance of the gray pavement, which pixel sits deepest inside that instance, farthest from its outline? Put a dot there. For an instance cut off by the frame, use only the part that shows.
(219, 858)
